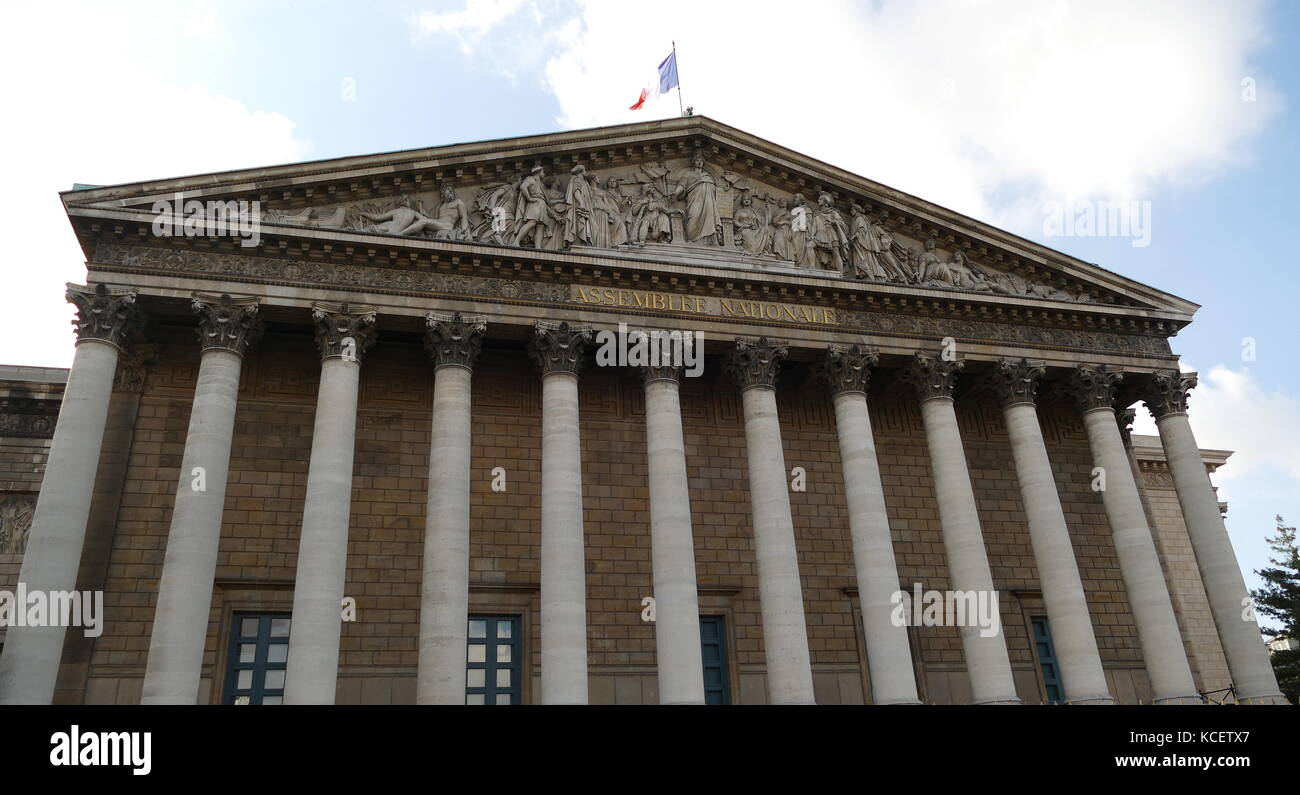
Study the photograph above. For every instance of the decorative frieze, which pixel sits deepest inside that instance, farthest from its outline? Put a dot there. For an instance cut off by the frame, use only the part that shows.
(453, 340)
(343, 330)
(103, 313)
(226, 323)
(1094, 387)
(847, 369)
(933, 376)
(28, 417)
(1167, 393)
(756, 362)
(297, 272)
(1016, 381)
(559, 347)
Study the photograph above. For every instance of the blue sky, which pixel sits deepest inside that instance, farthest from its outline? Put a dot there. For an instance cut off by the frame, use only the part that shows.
(992, 109)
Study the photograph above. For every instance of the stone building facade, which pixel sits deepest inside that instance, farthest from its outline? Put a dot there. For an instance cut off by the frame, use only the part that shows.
(372, 449)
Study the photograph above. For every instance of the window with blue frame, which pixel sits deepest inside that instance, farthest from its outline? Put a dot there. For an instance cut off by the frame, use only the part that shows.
(1047, 659)
(259, 655)
(492, 664)
(713, 650)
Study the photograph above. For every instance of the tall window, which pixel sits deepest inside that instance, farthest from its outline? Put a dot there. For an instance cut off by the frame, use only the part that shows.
(1047, 659)
(492, 665)
(713, 648)
(259, 651)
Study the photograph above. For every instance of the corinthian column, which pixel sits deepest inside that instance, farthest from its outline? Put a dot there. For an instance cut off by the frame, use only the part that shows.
(180, 624)
(1016, 383)
(558, 350)
(785, 634)
(343, 334)
(963, 540)
(889, 658)
(29, 664)
(1252, 674)
(454, 343)
(1148, 596)
(672, 549)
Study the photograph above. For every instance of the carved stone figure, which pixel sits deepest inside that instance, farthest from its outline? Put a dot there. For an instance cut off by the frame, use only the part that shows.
(496, 204)
(532, 212)
(697, 188)
(930, 268)
(801, 221)
(401, 220)
(753, 235)
(613, 206)
(888, 253)
(651, 219)
(16, 511)
(830, 237)
(555, 221)
(578, 213)
(782, 240)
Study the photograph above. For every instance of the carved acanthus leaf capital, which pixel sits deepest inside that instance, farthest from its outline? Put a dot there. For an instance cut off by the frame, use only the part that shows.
(453, 340)
(559, 347)
(1094, 387)
(226, 323)
(133, 367)
(343, 330)
(1167, 393)
(1125, 420)
(847, 369)
(103, 312)
(665, 372)
(756, 362)
(933, 376)
(1016, 380)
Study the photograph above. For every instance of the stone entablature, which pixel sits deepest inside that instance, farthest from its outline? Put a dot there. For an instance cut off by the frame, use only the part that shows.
(725, 297)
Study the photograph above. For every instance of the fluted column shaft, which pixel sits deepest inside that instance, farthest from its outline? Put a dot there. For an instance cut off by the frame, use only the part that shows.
(987, 661)
(444, 591)
(29, 664)
(180, 624)
(312, 669)
(1252, 673)
(889, 655)
(1139, 564)
(1058, 574)
(559, 350)
(672, 549)
(785, 633)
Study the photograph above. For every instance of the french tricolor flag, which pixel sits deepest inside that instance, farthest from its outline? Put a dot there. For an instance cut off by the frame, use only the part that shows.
(663, 82)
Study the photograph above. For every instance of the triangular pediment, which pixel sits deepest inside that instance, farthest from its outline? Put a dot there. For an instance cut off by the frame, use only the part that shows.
(680, 190)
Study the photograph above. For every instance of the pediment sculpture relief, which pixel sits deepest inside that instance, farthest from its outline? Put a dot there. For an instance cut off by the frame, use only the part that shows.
(685, 203)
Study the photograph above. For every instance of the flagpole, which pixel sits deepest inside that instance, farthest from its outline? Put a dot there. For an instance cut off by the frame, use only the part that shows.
(680, 108)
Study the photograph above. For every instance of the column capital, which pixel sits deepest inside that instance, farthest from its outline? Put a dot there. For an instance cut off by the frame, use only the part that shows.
(847, 369)
(103, 313)
(666, 372)
(1094, 387)
(453, 340)
(1166, 393)
(226, 323)
(343, 330)
(756, 362)
(558, 347)
(1125, 419)
(933, 376)
(1016, 381)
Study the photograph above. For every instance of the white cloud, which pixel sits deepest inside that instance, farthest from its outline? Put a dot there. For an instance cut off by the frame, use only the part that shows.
(71, 120)
(470, 24)
(989, 108)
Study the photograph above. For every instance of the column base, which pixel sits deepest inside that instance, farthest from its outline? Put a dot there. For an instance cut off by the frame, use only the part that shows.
(1275, 699)
(999, 702)
(1102, 699)
(1192, 699)
(907, 702)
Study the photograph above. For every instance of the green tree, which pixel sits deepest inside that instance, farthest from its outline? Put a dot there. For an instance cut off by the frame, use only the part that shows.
(1280, 599)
